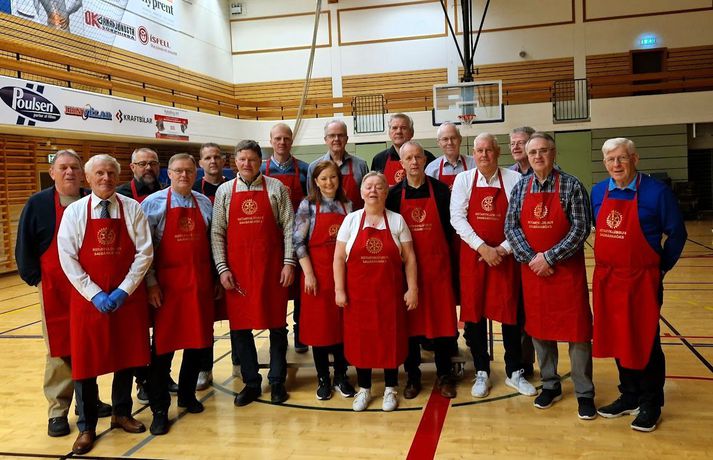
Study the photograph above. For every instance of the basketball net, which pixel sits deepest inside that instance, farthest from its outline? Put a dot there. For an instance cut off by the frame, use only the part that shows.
(467, 119)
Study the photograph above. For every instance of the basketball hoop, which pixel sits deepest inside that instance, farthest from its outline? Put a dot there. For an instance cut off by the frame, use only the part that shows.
(467, 119)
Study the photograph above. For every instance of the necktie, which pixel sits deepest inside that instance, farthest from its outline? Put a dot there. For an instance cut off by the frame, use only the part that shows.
(105, 209)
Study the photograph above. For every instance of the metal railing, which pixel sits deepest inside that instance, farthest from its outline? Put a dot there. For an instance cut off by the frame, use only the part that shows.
(570, 100)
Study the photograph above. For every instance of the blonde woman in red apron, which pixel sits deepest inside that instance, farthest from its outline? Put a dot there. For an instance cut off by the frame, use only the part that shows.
(316, 225)
(548, 221)
(633, 212)
(104, 244)
(373, 246)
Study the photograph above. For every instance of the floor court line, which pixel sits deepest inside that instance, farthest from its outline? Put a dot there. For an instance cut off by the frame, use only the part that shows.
(428, 433)
(19, 327)
(688, 345)
(19, 308)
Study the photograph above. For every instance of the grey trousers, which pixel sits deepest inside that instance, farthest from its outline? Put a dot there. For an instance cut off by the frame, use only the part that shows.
(580, 358)
(57, 385)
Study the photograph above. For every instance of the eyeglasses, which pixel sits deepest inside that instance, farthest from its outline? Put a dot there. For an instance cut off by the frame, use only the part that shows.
(542, 152)
(143, 164)
(447, 140)
(518, 144)
(336, 136)
(614, 160)
(180, 172)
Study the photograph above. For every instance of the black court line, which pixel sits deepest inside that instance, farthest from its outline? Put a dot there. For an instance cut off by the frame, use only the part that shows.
(19, 327)
(19, 308)
(21, 337)
(700, 244)
(26, 455)
(688, 345)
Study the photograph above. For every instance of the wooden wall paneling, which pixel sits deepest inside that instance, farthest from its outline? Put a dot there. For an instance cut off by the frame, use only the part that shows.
(393, 82)
(608, 64)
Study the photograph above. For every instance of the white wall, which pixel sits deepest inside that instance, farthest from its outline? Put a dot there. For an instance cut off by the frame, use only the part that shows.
(205, 38)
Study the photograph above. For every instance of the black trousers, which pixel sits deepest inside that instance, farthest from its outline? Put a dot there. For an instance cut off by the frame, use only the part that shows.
(159, 372)
(391, 377)
(645, 386)
(206, 359)
(442, 349)
(476, 335)
(247, 353)
(87, 396)
(321, 360)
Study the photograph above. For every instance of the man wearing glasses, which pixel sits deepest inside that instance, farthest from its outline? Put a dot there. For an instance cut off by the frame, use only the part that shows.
(351, 167)
(146, 168)
(548, 221)
(518, 139)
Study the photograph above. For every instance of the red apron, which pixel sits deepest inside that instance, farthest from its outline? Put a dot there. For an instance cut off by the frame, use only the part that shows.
(488, 291)
(108, 342)
(556, 306)
(56, 292)
(256, 258)
(375, 319)
(625, 288)
(320, 318)
(352, 189)
(449, 179)
(221, 312)
(436, 312)
(291, 181)
(135, 192)
(393, 171)
(183, 269)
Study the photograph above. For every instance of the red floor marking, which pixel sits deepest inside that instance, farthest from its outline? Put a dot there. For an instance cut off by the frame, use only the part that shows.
(429, 429)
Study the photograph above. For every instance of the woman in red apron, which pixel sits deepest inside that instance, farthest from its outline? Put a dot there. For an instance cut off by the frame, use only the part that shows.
(320, 319)
(375, 324)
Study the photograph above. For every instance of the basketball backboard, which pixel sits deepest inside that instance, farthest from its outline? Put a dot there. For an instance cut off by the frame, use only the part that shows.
(481, 99)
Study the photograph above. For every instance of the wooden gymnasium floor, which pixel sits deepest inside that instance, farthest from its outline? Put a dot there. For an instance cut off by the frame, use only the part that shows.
(503, 425)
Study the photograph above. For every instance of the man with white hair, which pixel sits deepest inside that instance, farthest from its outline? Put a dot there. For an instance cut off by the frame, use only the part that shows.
(447, 167)
(38, 264)
(105, 249)
(518, 139)
(146, 168)
(489, 275)
(633, 211)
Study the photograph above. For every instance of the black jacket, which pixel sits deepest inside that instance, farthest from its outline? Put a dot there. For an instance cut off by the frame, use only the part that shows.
(378, 163)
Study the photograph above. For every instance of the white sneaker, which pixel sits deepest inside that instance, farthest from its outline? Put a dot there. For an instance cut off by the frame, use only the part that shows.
(390, 402)
(361, 399)
(520, 383)
(204, 380)
(482, 385)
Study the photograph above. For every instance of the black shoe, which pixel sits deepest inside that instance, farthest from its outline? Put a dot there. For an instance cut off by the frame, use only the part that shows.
(57, 426)
(142, 395)
(547, 398)
(586, 410)
(300, 347)
(103, 409)
(343, 386)
(413, 388)
(193, 406)
(172, 386)
(247, 395)
(618, 408)
(160, 423)
(324, 389)
(278, 394)
(646, 420)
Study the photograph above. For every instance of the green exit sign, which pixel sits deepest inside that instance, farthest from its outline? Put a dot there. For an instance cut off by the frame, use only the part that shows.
(648, 41)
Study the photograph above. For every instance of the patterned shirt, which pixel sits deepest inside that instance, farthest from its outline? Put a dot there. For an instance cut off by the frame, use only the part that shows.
(305, 220)
(281, 209)
(575, 204)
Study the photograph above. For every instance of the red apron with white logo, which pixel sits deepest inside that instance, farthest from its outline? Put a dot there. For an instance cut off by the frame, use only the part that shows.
(255, 257)
(320, 317)
(135, 192)
(488, 291)
(449, 179)
(556, 306)
(183, 269)
(291, 181)
(352, 189)
(56, 292)
(375, 318)
(108, 342)
(393, 171)
(625, 288)
(436, 312)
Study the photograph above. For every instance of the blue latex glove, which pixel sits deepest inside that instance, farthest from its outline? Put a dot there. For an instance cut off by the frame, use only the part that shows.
(118, 297)
(103, 302)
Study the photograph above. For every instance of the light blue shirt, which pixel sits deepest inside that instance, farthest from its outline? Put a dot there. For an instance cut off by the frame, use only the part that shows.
(154, 207)
(631, 186)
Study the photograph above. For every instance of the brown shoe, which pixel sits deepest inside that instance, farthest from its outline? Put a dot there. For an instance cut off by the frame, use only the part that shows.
(447, 387)
(412, 389)
(127, 423)
(84, 442)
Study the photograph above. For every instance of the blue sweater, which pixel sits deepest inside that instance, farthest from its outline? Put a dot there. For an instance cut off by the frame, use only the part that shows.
(658, 214)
